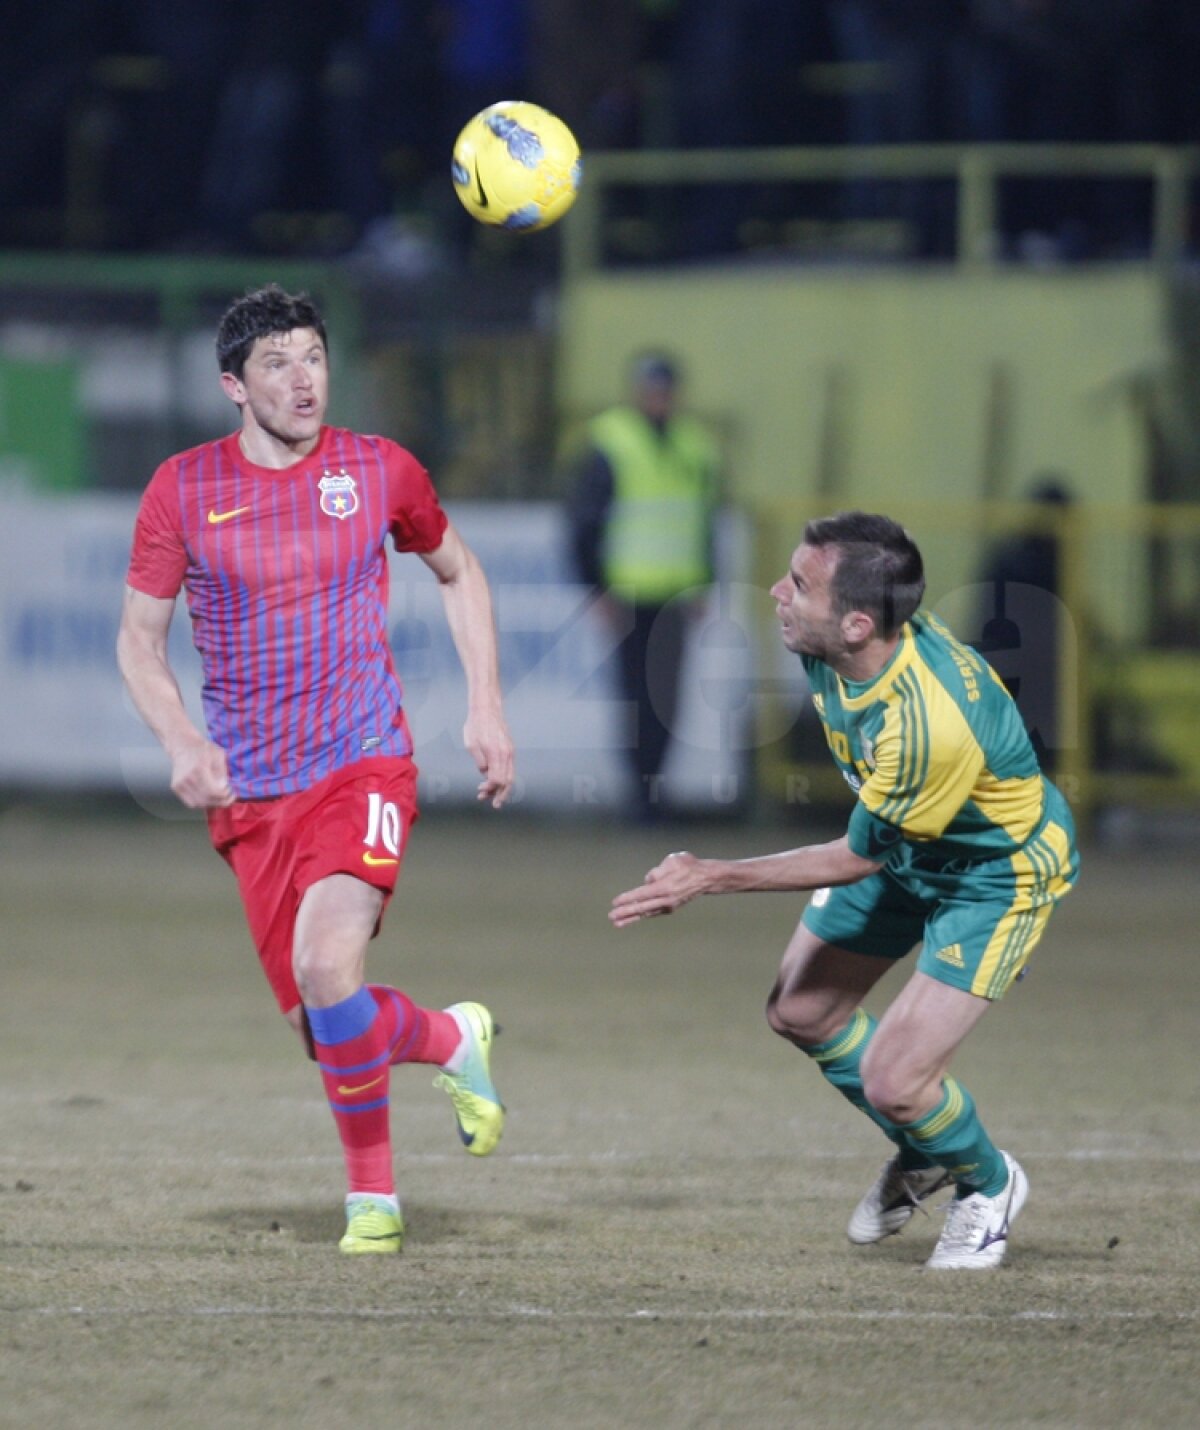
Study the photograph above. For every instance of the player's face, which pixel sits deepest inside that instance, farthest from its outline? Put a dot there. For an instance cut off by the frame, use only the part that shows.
(284, 388)
(804, 604)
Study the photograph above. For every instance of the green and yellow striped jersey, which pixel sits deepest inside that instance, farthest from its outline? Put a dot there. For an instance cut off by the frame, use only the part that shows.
(935, 748)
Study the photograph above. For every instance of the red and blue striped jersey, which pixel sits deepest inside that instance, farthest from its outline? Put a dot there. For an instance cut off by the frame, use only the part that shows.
(287, 587)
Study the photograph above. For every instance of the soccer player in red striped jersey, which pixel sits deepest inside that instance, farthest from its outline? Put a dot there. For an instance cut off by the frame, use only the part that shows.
(278, 533)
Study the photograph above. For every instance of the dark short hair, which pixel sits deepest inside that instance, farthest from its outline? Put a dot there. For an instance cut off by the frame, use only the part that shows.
(656, 367)
(879, 569)
(262, 314)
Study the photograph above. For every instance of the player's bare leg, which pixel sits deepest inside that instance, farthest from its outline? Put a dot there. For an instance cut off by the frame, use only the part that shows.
(359, 1031)
(913, 1045)
(336, 919)
(818, 989)
(816, 1004)
(906, 1077)
(334, 924)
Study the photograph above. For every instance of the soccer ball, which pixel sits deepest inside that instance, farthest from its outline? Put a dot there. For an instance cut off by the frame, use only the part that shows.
(516, 166)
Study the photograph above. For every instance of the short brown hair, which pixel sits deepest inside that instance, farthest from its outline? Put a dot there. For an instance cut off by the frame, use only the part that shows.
(879, 569)
(261, 314)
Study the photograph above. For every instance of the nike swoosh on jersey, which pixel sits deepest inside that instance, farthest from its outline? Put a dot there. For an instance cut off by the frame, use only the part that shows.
(215, 518)
(375, 861)
(347, 1091)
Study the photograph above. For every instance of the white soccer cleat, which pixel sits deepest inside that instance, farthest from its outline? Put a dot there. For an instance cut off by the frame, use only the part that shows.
(888, 1207)
(975, 1236)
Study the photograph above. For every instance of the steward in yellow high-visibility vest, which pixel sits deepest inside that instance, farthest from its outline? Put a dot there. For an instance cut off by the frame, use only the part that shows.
(641, 516)
(657, 538)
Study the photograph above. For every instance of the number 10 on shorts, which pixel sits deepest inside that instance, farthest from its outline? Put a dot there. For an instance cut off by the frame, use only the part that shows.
(383, 824)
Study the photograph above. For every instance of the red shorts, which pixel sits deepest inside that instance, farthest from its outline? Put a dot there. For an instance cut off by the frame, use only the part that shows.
(354, 821)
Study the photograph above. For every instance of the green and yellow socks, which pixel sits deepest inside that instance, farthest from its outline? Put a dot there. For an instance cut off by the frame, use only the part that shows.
(950, 1136)
(953, 1136)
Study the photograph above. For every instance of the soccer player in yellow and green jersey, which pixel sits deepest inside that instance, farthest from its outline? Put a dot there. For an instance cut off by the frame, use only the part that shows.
(957, 843)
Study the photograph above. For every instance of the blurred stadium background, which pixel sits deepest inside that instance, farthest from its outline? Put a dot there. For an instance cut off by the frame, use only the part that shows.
(940, 262)
(938, 259)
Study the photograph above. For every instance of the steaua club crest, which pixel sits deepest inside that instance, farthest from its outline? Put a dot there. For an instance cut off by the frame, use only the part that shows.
(338, 495)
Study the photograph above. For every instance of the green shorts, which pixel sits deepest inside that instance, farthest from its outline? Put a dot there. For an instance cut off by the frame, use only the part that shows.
(977, 921)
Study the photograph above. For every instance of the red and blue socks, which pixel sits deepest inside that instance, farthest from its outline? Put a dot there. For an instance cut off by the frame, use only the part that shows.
(415, 1035)
(350, 1042)
(356, 1042)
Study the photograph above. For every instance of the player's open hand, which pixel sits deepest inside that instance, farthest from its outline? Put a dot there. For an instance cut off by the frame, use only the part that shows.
(667, 887)
(200, 776)
(490, 746)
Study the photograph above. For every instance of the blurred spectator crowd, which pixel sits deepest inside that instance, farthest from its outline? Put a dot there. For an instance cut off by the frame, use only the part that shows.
(184, 124)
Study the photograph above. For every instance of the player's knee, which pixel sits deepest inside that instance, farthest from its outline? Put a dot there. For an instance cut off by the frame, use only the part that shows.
(891, 1093)
(798, 1017)
(321, 976)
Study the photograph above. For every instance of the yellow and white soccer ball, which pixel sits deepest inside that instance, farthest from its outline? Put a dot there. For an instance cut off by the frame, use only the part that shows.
(516, 166)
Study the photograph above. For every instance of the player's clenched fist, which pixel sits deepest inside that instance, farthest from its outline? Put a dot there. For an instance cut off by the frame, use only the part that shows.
(200, 776)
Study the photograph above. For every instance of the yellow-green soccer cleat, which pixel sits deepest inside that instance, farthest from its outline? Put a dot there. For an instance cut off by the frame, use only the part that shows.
(372, 1228)
(477, 1104)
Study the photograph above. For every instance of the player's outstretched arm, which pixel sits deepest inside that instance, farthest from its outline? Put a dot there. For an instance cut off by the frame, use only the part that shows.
(682, 877)
(199, 772)
(468, 605)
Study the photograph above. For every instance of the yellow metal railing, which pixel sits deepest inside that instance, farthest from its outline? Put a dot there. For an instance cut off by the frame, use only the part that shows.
(977, 170)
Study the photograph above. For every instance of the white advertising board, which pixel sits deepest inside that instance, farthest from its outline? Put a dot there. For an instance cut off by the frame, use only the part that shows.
(65, 720)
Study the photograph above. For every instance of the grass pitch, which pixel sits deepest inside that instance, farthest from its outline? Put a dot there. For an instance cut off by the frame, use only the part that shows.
(659, 1239)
